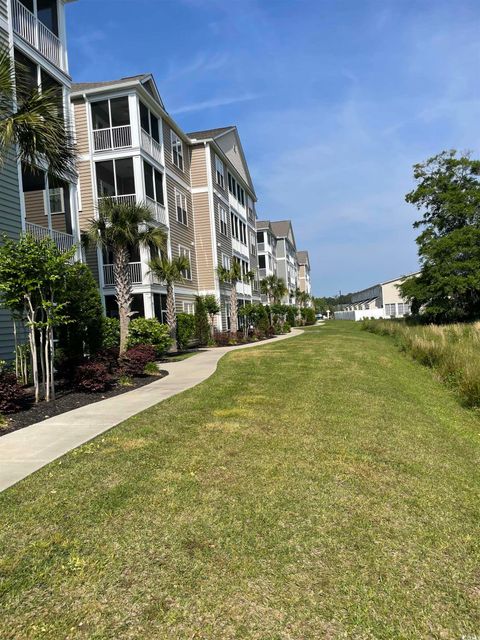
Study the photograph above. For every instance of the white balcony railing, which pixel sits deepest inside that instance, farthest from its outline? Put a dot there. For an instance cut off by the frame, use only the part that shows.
(158, 211)
(37, 34)
(112, 138)
(64, 241)
(130, 198)
(151, 146)
(134, 269)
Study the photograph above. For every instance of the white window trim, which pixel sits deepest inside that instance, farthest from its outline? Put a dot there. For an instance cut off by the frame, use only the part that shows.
(185, 251)
(223, 210)
(62, 197)
(189, 307)
(219, 172)
(183, 197)
(174, 140)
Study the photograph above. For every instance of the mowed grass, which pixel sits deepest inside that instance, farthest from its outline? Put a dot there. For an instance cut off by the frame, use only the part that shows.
(321, 487)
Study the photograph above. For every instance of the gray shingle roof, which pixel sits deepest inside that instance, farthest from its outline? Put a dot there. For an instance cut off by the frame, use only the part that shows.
(281, 228)
(84, 86)
(302, 257)
(208, 133)
(262, 224)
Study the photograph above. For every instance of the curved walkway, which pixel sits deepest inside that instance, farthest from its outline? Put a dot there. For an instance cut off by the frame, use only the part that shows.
(24, 451)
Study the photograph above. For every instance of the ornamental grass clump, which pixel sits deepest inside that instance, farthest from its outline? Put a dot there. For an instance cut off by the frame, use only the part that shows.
(452, 351)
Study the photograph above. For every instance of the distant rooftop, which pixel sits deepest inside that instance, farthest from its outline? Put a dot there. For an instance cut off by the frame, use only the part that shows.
(84, 86)
(302, 257)
(208, 133)
(281, 228)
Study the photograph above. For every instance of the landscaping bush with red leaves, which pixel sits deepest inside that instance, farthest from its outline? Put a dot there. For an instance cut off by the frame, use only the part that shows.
(108, 357)
(92, 377)
(134, 361)
(12, 396)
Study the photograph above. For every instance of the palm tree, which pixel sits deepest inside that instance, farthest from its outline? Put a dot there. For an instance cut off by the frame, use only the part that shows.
(170, 271)
(232, 276)
(267, 287)
(118, 228)
(279, 291)
(33, 121)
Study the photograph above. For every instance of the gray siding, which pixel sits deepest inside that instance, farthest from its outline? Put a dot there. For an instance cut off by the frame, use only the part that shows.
(10, 224)
(3, 9)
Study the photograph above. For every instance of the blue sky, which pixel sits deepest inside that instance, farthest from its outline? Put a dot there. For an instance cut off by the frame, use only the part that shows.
(335, 100)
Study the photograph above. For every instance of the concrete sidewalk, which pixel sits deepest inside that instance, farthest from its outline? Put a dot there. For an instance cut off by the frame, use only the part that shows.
(24, 451)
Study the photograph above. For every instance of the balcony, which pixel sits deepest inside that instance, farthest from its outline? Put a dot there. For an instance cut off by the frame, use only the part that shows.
(112, 138)
(27, 25)
(151, 146)
(158, 210)
(130, 198)
(134, 269)
(64, 241)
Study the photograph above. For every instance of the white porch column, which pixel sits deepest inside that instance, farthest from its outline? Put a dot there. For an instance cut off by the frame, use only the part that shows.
(149, 305)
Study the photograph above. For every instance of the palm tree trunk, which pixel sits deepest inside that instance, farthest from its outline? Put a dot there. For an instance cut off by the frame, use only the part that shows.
(171, 317)
(123, 293)
(233, 309)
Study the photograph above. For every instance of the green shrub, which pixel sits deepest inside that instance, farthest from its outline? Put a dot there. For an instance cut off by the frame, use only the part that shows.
(185, 329)
(308, 315)
(149, 331)
(286, 327)
(151, 369)
(202, 325)
(291, 316)
(110, 333)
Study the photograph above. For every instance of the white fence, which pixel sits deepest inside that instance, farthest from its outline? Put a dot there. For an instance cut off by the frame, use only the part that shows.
(363, 314)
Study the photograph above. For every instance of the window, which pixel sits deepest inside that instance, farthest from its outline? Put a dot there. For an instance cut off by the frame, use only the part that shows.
(57, 203)
(183, 251)
(149, 122)
(261, 262)
(253, 244)
(110, 113)
(223, 220)
(153, 183)
(260, 237)
(243, 232)
(226, 264)
(177, 151)
(115, 178)
(244, 268)
(403, 308)
(181, 207)
(250, 213)
(48, 15)
(390, 310)
(235, 189)
(239, 228)
(219, 172)
(189, 307)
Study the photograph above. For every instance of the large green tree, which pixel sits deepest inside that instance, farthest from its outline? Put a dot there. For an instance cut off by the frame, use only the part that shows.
(448, 195)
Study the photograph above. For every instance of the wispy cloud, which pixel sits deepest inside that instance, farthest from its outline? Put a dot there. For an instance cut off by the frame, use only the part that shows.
(215, 102)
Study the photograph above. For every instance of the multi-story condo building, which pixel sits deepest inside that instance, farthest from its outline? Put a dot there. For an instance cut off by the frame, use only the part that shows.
(37, 202)
(197, 185)
(287, 266)
(224, 209)
(267, 251)
(304, 281)
(131, 150)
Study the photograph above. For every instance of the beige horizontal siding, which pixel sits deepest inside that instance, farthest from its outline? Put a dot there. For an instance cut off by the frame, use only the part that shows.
(180, 298)
(35, 212)
(203, 241)
(81, 126)
(179, 233)
(225, 242)
(198, 169)
(86, 194)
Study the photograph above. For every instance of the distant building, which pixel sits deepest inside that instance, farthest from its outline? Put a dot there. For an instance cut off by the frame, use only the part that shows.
(382, 300)
(304, 282)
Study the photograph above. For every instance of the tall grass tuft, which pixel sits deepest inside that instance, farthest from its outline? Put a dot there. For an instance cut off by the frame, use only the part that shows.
(453, 351)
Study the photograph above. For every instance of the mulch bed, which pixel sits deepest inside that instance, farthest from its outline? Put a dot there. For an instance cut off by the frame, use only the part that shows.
(66, 400)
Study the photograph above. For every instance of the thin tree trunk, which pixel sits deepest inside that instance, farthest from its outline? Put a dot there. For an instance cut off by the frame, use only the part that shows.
(233, 309)
(171, 317)
(52, 357)
(17, 372)
(46, 357)
(33, 346)
(123, 293)
(42, 363)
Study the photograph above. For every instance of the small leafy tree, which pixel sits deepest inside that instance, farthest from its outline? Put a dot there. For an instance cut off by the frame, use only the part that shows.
(170, 271)
(213, 307)
(119, 227)
(202, 326)
(185, 329)
(84, 307)
(32, 281)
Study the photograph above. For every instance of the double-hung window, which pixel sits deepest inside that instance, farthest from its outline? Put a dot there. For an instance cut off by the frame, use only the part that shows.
(226, 263)
(253, 244)
(181, 207)
(188, 307)
(223, 215)
(183, 251)
(57, 203)
(219, 172)
(177, 150)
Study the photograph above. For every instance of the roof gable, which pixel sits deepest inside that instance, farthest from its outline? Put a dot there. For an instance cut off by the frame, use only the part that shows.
(229, 143)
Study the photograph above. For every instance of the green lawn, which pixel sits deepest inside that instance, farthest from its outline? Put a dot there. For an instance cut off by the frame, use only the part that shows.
(322, 487)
